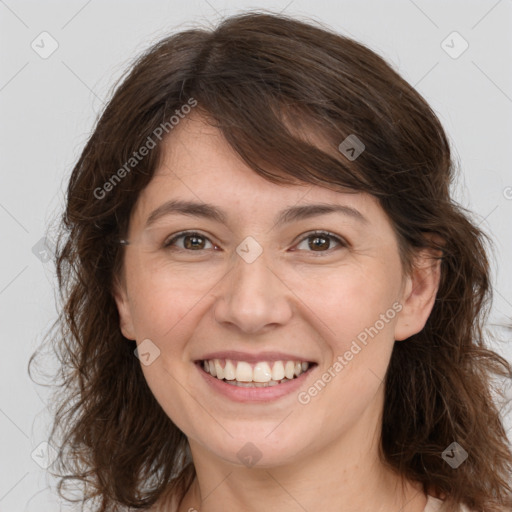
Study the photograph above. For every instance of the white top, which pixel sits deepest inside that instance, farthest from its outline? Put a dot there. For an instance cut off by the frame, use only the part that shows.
(434, 504)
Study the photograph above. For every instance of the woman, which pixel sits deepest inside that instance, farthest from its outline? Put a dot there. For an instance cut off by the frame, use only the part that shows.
(271, 300)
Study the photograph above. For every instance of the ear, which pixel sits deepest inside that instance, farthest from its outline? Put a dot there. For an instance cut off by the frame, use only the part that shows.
(419, 293)
(123, 307)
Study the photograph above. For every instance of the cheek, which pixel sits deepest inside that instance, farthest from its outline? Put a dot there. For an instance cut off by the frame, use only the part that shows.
(354, 302)
(163, 312)
(360, 311)
(162, 298)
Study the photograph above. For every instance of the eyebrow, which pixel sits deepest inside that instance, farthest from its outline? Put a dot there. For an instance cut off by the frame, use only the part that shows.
(286, 216)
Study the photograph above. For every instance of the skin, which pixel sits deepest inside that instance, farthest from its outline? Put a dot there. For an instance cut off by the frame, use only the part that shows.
(322, 455)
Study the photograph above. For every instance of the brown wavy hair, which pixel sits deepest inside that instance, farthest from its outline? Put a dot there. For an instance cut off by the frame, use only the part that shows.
(267, 81)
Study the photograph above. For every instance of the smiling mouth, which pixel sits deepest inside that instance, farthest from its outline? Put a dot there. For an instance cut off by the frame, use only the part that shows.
(255, 375)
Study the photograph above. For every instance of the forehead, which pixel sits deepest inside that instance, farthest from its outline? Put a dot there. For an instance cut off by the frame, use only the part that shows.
(198, 164)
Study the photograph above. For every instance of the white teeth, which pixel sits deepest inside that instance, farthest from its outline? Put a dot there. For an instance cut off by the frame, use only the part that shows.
(229, 370)
(243, 372)
(289, 369)
(278, 371)
(218, 369)
(261, 374)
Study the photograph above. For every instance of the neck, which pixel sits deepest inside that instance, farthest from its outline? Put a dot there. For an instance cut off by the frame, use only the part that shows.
(345, 476)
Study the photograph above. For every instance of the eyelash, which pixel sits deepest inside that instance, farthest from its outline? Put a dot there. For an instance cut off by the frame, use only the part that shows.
(324, 234)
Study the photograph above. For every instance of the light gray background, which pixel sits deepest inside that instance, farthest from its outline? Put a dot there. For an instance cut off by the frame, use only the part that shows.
(48, 107)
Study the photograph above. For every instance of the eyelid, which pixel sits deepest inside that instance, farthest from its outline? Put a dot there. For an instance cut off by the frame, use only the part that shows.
(317, 232)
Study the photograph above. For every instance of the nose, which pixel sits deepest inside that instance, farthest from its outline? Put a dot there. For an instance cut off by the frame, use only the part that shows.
(253, 297)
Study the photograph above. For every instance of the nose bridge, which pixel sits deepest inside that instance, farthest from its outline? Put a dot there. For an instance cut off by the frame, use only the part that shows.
(252, 296)
(252, 267)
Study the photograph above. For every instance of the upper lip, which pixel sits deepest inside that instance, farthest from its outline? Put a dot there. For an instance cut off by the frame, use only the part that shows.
(235, 355)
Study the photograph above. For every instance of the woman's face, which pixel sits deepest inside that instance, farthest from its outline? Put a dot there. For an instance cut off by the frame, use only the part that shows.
(260, 297)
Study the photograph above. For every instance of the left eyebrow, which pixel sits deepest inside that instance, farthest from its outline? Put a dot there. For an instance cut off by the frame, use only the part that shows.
(286, 216)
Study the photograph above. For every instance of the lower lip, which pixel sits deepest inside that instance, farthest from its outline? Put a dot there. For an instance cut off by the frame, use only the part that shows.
(256, 394)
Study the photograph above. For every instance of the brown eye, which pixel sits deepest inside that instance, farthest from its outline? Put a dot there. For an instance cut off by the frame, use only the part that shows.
(192, 241)
(320, 241)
